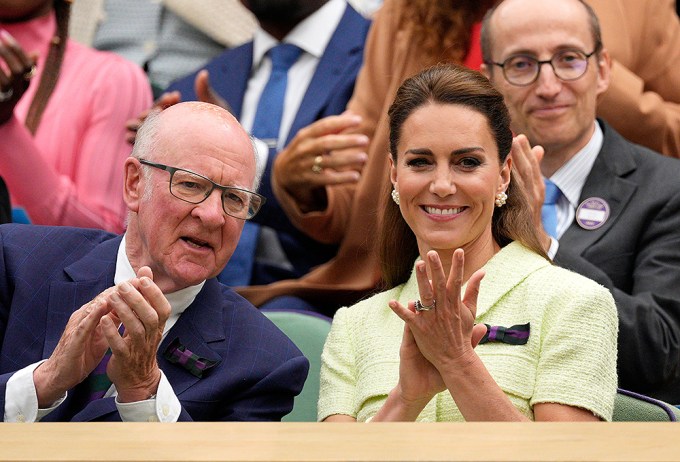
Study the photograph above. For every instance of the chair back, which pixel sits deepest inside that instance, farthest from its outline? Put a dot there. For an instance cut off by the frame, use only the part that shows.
(634, 407)
(308, 331)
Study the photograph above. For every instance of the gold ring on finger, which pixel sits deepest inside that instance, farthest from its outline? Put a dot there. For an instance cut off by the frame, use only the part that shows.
(317, 168)
(28, 75)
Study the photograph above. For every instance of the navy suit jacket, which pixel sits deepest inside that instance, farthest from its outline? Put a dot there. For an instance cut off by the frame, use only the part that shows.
(636, 254)
(5, 208)
(46, 273)
(329, 91)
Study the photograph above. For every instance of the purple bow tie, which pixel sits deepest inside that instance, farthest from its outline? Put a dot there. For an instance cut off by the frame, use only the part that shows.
(513, 335)
(177, 353)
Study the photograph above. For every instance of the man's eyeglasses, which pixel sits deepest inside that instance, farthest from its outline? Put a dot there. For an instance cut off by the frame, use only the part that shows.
(523, 70)
(195, 188)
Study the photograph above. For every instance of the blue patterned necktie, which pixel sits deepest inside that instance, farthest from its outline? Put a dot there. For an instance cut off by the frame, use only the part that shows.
(549, 209)
(267, 120)
(266, 127)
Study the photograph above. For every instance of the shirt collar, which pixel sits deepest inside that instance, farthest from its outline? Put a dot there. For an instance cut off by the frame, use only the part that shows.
(571, 177)
(311, 35)
(179, 300)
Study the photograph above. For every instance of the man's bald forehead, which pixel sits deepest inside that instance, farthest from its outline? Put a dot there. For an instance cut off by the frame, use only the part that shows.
(189, 110)
(506, 10)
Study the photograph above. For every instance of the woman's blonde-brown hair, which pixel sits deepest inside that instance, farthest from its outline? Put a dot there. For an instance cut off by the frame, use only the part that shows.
(451, 84)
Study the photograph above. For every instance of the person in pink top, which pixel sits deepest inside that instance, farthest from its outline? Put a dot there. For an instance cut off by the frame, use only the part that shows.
(63, 109)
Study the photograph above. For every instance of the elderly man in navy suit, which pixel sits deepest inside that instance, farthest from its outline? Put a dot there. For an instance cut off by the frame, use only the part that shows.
(330, 36)
(612, 208)
(95, 326)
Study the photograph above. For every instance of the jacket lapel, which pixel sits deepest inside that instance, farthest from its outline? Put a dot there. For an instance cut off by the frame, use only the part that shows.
(507, 269)
(607, 180)
(502, 275)
(88, 277)
(202, 323)
(231, 76)
(345, 46)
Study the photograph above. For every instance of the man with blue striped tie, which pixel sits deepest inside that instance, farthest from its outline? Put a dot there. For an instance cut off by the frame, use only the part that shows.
(606, 208)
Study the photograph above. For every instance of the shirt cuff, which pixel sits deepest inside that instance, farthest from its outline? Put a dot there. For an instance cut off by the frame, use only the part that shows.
(164, 407)
(21, 398)
(554, 247)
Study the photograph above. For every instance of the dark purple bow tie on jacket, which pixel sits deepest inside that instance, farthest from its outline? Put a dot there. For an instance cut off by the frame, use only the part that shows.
(513, 335)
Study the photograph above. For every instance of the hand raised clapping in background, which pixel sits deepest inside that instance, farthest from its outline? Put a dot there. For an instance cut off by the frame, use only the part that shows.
(16, 70)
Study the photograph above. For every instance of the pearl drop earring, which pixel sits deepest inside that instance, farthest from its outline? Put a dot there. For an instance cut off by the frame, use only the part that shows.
(501, 198)
(395, 196)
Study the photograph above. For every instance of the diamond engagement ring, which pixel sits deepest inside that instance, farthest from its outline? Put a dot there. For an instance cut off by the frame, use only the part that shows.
(316, 168)
(421, 307)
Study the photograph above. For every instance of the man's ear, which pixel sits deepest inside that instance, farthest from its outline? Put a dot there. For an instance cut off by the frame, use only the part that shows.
(604, 66)
(485, 70)
(133, 186)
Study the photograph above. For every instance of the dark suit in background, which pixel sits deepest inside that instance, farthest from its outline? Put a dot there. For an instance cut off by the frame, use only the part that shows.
(636, 255)
(329, 91)
(5, 207)
(46, 273)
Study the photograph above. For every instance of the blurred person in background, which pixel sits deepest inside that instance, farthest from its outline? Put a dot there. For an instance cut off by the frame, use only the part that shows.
(604, 207)
(63, 109)
(167, 38)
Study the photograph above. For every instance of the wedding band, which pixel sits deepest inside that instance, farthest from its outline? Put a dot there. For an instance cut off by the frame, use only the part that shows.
(421, 307)
(6, 95)
(316, 168)
(28, 75)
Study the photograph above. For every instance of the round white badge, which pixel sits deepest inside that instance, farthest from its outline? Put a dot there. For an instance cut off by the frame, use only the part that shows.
(592, 213)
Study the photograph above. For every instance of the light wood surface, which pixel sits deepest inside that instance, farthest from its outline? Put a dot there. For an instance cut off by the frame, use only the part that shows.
(334, 442)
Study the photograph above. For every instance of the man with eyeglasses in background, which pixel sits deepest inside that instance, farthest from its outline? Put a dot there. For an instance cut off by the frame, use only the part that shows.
(95, 326)
(612, 208)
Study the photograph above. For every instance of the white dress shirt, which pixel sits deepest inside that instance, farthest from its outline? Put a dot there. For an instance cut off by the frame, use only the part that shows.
(571, 178)
(21, 400)
(312, 36)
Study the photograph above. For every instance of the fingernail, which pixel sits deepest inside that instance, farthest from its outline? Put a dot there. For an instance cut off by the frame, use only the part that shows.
(146, 282)
(125, 287)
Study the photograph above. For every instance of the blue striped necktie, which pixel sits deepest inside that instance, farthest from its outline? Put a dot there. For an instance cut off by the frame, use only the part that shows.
(266, 127)
(549, 209)
(267, 120)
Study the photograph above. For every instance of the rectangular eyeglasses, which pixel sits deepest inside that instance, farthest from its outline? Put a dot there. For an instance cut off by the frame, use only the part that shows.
(194, 188)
